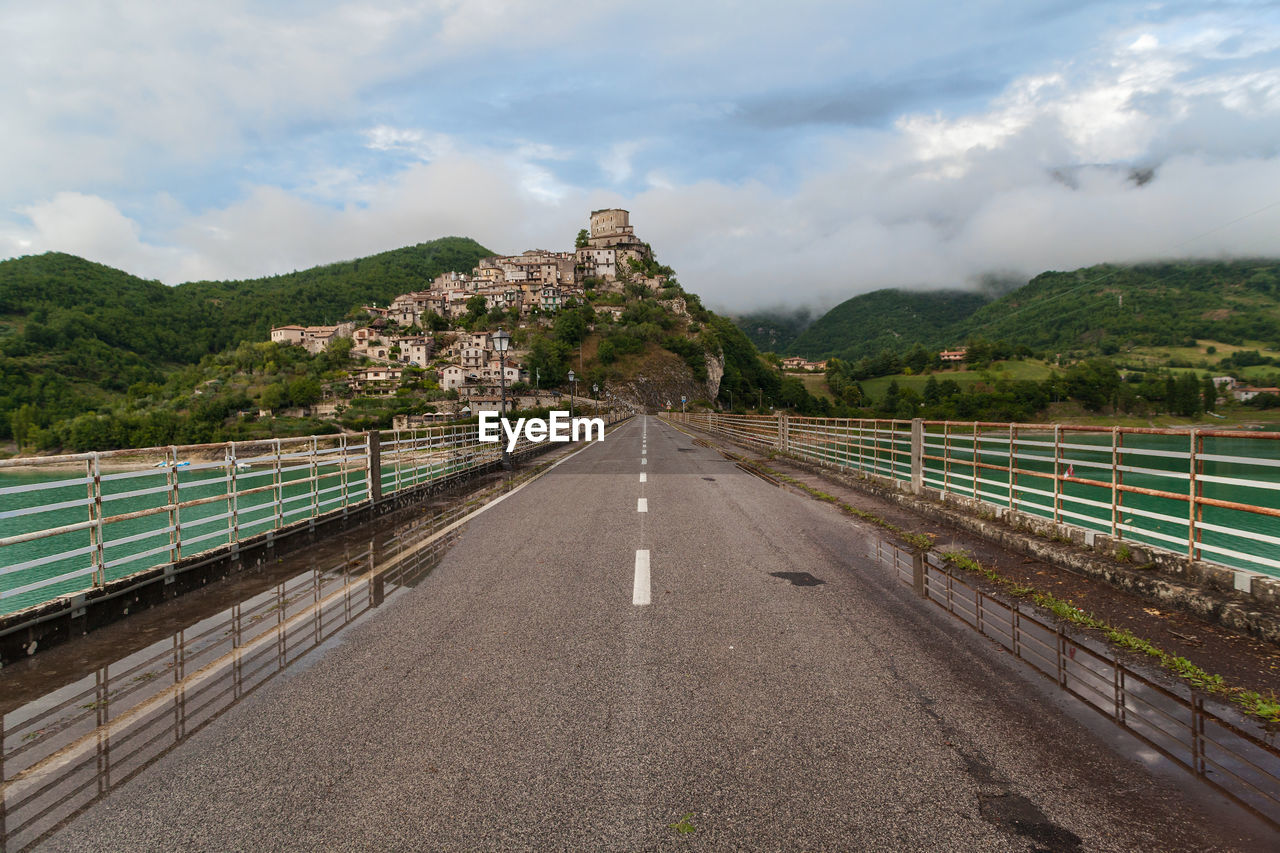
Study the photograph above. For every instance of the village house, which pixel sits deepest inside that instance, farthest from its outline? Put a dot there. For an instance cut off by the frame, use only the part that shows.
(452, 376)
(1245, 393)
(416, 351)
(954, 355)
(287, 334)
(374, 381)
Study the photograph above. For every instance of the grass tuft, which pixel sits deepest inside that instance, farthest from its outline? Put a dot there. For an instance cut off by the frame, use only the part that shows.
(1264, 707)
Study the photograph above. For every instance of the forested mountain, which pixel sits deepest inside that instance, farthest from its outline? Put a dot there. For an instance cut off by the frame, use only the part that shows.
(1101, 309)
(1108, 307)
(773, 331)
(73, 332)
(887, 319)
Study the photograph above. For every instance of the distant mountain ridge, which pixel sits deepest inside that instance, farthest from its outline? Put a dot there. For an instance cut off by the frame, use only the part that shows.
(887, 319)
(1099, 309)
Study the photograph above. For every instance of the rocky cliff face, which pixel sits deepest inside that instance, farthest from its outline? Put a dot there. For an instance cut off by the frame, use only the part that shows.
(664, 378)
(715, 372)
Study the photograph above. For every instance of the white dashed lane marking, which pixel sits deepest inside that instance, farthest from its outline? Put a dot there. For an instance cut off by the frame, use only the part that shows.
(640, 589)
(642, 505)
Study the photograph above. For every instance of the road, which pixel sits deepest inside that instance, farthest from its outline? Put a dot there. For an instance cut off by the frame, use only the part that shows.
(537, 691)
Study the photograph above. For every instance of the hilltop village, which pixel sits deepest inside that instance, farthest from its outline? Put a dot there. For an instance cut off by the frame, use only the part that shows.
(426, 334)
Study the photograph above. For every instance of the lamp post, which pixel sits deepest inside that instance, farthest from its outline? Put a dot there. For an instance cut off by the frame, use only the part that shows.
(595, 394)
(502, 340)
(572, 380)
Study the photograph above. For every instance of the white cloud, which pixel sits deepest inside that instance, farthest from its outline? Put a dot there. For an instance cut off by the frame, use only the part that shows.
(93, 228)
(1036, 178)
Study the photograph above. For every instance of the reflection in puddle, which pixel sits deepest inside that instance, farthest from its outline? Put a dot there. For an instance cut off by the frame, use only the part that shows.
(1235, 754)
(67, 741)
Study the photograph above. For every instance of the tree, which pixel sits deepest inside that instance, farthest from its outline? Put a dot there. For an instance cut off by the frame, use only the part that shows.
(582, 240)
(21, 422)
(932, 394)
(273, 396)
(1187, 396)
(892, 397)
(1093, 383)
(1209, 392)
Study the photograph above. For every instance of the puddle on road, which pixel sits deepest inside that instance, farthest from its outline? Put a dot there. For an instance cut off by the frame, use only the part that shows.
(1236, 755)
(798, 578)
(86, 717)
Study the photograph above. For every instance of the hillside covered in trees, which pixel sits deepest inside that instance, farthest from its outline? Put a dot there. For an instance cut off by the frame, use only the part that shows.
(93, 358)
(1099, 310)
(886, 319)
(75, 335)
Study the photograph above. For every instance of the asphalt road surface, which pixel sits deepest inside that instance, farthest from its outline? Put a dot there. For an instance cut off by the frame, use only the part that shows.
(604, 661)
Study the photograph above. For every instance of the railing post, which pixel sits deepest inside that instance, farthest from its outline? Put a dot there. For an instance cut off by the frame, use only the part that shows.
(175, 516)
(946, 457)
(1013, 468)
(99, 551)
(976, 454)
(342, 474)
(917, 455)
(314, 471)
(1115, 492)
(784, 433)
(1057, 473)
(1117, 480)
(277, 479)
(374, 469)
(1193, 497)
(233, 507)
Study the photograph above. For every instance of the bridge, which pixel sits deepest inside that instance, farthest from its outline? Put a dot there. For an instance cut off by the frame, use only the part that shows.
(633, 644)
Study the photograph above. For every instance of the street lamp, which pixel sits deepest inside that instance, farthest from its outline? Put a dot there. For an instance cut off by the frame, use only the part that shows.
(572, 379)
(501, 340)
(595, 393)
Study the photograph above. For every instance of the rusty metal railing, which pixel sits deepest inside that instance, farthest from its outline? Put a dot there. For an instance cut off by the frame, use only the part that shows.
(62, 751)
(1206, 494)
(1236, 755)
(81, 521)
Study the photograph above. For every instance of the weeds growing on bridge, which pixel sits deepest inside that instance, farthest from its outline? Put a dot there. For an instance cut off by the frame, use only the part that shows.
(1265, 707)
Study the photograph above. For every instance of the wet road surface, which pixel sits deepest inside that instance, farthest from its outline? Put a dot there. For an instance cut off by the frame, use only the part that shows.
(649, 647)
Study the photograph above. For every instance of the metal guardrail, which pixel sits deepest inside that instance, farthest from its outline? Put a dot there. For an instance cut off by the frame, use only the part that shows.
(1206, 494)
(64, 751)
(126, 511)
(1235, 755)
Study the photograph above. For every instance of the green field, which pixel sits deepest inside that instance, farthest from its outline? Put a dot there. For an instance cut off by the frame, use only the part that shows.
(816, 384)
(1012, 370)
(1161, 356)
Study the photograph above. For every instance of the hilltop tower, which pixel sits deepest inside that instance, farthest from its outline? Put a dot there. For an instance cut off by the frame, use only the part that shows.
(611, 241)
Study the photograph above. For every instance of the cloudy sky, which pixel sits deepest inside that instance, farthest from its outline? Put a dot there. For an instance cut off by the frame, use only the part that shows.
(797, 152)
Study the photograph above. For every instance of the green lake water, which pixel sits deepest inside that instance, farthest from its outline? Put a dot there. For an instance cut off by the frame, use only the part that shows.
(139, 543)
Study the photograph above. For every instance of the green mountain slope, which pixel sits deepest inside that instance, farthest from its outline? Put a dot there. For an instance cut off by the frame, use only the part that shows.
(773, 331)
(1100, 309)
(1107, 307)
(73, 332)
(887, 319)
